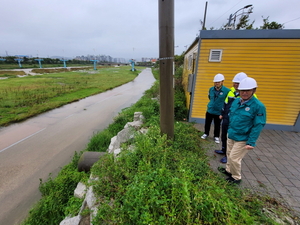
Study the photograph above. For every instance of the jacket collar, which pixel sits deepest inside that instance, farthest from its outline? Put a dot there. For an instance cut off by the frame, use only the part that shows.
(248, 102)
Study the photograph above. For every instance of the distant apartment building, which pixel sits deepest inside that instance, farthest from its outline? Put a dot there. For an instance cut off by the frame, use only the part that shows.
(100, 58)
(148, 59)
(107, 58)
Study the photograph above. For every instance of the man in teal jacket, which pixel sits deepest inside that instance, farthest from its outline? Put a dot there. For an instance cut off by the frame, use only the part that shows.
(247, 117)
(231, 96)
(216, 95)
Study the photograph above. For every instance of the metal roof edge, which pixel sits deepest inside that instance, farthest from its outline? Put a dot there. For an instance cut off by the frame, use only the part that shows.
(251, 34)
(192, 45)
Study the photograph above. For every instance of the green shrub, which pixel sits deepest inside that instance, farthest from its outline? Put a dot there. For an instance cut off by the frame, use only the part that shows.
(180, 109)
(100, 141)
(153, 91)
(56, 196)
(163, 182)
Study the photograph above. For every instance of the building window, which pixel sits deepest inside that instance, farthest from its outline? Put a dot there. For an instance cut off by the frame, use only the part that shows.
(215, 55)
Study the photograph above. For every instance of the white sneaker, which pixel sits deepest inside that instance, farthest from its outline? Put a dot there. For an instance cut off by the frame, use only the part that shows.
(204, 136)
(217, 140)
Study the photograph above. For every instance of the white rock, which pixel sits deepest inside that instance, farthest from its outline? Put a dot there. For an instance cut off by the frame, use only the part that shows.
(71, 221)
(143, 130)
(117, 151)
(93, 178)
(135, 124)
(138, 116)
(94, 213)
(90, 198)
(80, 190)
(111, 147)
(123, 136)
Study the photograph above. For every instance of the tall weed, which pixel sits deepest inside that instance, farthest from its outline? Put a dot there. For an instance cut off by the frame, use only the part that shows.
(57, 196)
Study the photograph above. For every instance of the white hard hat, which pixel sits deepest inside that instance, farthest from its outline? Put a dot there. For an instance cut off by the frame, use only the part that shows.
(239, 77)
(219, 77)
(247, 84)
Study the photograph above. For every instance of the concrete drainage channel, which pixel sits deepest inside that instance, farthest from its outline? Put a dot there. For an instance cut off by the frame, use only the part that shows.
(88, 159)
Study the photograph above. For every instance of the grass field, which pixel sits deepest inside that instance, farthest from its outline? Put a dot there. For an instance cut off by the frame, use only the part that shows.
(24, 97)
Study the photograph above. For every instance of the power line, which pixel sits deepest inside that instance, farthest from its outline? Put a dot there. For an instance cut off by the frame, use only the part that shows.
(292, 20)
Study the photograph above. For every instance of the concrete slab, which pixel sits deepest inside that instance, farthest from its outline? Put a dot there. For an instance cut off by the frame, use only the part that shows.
(272, 168)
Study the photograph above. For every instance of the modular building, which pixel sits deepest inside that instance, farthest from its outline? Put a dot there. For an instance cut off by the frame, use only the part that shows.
(271, 57)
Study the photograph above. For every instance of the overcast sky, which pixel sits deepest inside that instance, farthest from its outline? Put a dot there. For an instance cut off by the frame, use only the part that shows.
(119, 28)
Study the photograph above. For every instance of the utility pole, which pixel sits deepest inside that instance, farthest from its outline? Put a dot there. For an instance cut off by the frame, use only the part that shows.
(166, 59)
(203, 26)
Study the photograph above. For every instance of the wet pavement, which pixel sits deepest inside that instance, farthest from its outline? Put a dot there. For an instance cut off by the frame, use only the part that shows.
(272, 168)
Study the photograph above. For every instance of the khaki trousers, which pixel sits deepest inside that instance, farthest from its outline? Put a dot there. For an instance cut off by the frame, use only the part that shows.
(235, 153)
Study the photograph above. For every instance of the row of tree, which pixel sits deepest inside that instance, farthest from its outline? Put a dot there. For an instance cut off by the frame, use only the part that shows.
(245, 24)
(32, 61)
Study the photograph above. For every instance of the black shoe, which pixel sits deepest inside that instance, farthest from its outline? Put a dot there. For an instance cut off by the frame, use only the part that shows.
(231, 180)
(223, 170)
(223, 160)
(220, 152)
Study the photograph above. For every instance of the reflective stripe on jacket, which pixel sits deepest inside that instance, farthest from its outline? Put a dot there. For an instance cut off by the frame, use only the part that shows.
(246, 120)
(231, 95)
(216, 100)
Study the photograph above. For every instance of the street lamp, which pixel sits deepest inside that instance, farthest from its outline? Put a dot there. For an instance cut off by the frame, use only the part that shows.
(233, 16)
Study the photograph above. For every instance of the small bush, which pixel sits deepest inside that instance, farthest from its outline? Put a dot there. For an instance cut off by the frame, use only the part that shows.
(57, 196)
(153, 91)
(180, 109)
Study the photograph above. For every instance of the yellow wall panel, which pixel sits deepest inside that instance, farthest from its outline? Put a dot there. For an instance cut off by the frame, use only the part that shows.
(274, 63)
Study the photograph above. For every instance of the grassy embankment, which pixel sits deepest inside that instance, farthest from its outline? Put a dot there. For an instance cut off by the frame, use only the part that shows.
(23, 97)
(160, 182)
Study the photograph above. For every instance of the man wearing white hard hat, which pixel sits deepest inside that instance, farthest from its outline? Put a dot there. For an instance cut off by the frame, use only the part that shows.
(247, 117)
(216, 96)
(232, 95)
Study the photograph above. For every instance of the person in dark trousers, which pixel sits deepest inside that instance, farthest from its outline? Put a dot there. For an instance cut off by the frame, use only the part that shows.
(231, 96)
(247, 117)
(216, 96)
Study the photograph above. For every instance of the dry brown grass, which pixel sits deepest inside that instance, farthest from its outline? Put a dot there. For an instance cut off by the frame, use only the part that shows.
(11, 72)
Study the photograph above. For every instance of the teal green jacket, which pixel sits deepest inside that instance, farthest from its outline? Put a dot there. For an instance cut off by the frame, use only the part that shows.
(216, 100)
(246, 121)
